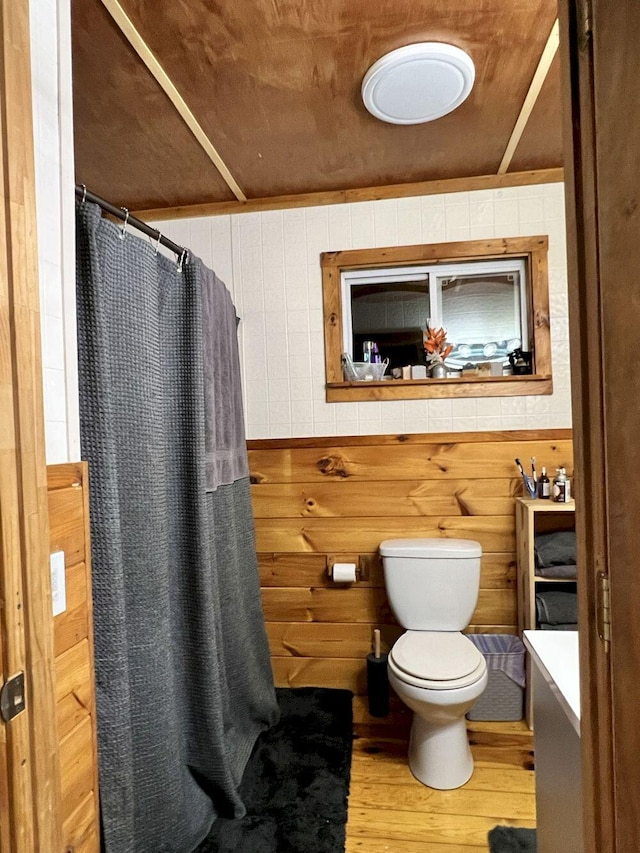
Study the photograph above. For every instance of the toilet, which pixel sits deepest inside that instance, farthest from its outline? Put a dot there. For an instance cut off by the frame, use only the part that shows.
(432, 586)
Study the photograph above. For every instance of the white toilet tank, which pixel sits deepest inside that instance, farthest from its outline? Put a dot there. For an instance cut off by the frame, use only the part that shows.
(432, 584)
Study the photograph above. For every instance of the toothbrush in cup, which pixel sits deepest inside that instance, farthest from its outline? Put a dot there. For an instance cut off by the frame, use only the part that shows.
(528, 481)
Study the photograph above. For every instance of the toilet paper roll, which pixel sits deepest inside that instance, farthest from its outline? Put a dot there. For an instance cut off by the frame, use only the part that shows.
(343, 572)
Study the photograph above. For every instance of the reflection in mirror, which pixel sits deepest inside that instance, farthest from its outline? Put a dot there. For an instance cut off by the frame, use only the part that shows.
(485, 315)
(481, 304)
(393, 315)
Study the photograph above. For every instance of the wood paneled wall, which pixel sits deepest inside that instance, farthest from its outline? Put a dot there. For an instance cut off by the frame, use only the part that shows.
(73, 641)
(320, 500)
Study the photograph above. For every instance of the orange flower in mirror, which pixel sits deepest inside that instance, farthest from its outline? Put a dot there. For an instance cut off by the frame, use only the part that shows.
(435, 344)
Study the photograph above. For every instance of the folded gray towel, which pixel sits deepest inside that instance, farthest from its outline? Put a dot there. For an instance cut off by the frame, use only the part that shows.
(557, 607)
(555, 549)
(570, 626)
(568, 571)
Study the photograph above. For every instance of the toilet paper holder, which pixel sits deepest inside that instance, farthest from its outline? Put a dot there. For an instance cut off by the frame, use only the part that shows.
(358, 561)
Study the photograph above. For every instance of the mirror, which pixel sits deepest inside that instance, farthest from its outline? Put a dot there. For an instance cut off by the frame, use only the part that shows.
(392, 314)
(491, 296)
(482, 305)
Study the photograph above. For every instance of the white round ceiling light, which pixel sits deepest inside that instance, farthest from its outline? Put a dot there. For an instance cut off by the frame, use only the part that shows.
(418, 83)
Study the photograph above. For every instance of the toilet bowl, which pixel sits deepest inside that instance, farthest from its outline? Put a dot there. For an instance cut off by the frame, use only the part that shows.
(439, 676)
(432, 586)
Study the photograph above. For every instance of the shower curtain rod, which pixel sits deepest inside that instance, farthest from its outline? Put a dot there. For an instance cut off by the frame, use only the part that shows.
(122, 213)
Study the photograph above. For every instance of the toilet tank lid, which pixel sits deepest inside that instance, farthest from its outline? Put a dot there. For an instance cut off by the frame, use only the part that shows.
(453, 549)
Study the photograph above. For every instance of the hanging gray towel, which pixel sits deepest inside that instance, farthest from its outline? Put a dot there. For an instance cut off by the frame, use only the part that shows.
(225, 443)
(556, 607)
(571, 626)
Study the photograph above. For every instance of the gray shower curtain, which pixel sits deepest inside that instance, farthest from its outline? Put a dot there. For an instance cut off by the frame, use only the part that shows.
(183, 676)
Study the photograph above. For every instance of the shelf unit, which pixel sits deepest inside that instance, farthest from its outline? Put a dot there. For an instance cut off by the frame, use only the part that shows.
(536, 516)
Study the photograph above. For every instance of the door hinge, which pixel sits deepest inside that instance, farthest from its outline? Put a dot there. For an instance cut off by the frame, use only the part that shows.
(604, 610)
(584, 22)
(12, 701)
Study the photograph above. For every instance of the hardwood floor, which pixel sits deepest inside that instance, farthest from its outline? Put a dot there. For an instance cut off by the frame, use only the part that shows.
(391, 812)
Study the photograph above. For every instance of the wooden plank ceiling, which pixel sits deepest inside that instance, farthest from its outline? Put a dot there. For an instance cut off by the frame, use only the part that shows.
(273, 87)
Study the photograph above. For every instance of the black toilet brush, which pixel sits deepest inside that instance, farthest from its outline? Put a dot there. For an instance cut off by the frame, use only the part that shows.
(377, 680)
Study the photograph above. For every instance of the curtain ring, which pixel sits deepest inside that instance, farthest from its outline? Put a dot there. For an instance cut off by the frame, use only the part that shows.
(182, 259)
(124, 224)
(84, 193)
(158, 242)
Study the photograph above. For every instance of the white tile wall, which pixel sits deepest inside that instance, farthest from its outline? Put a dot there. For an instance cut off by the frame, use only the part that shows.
(53, 143)
(270, 262)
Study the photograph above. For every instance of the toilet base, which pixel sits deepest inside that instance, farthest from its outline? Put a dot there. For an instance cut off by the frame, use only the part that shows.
(439, 755)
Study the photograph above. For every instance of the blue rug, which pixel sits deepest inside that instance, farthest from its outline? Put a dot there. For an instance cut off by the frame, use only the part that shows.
(509, 839)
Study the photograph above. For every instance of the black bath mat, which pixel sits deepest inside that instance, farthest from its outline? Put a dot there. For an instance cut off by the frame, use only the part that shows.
(509, 839)
(296, 783)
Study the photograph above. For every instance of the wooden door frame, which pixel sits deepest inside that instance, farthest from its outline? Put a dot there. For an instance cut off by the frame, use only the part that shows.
(30, 780)
(30, 790)
(588, 404)
(600, 63)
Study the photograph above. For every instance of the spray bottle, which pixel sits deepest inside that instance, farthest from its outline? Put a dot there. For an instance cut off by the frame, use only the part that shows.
(561, 486)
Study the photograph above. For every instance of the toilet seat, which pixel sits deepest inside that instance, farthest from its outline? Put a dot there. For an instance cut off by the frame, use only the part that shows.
(436, 660)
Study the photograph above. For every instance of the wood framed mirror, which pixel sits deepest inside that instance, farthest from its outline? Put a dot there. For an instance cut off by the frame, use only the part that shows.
(491, 295)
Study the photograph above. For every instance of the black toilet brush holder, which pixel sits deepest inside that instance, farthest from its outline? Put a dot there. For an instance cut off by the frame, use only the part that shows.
(377, 680)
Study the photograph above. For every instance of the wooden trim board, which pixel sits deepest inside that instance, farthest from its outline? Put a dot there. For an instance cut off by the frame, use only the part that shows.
(420, 188)
(419, 438)
(548, 54)
(424, 389)
(28, 743)
(162, 78)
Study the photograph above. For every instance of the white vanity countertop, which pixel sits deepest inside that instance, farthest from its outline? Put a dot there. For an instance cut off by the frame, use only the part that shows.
(556, 655)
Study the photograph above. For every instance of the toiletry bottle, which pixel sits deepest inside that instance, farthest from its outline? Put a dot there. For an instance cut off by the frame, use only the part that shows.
(560, 486)
(367, 350)
(544, 484)
(375, 354)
